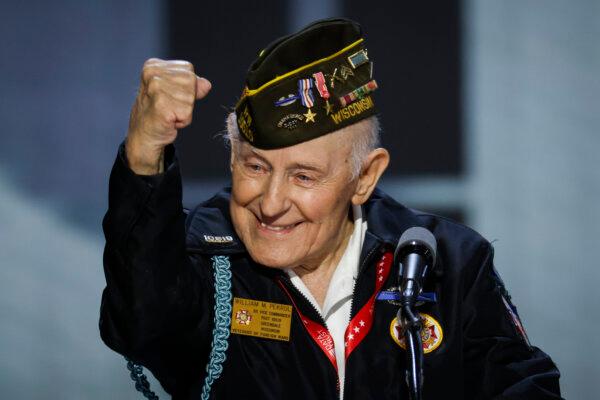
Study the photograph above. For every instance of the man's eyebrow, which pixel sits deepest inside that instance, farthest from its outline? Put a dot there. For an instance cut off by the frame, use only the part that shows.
(295, 166)
(256, 154)
(306, 166)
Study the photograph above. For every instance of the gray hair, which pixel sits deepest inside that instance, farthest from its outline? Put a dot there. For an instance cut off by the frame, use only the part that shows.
(366, 139)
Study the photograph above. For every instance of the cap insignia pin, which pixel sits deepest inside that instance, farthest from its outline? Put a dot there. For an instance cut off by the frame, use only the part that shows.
(359, 58)
(345, 72)
(285, 101)
(333, 77)
(290, 121)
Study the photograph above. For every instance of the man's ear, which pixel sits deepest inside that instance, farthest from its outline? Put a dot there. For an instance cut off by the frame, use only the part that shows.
(232, 154)
(372, 169)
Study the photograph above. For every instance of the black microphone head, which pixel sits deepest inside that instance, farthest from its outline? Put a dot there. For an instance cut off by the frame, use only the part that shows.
(418, 237)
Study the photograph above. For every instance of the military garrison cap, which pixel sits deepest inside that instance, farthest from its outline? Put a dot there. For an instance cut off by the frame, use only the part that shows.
(306, 85)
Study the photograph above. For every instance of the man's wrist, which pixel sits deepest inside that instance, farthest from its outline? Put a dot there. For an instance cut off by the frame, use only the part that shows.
(144, 159)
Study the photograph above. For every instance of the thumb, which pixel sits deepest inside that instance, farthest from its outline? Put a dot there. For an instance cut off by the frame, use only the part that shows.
(203, 86)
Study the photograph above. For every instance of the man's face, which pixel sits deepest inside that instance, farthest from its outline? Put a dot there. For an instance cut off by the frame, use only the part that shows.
(290, 206)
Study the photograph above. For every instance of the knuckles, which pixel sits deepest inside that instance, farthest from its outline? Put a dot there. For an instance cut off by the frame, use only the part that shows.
(153, 85)
(167, 93)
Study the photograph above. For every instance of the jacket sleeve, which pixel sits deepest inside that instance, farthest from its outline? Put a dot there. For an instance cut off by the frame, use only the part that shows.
(156, 305)
(499, 361)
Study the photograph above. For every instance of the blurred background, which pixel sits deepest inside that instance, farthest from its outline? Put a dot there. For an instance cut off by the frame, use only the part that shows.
(490, 109)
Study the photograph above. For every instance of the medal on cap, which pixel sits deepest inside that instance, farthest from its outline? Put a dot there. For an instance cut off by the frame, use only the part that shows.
(358, 93)
(431, 333)
(310, 116)
(359, 58)
(305, 92)
(323, 91)
(306, 96)
(321, 85)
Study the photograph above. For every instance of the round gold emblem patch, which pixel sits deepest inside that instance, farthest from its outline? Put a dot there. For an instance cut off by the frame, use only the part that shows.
(431, 334)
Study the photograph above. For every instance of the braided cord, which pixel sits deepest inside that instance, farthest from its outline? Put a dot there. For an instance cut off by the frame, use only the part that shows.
(219, 345)
(141, 381)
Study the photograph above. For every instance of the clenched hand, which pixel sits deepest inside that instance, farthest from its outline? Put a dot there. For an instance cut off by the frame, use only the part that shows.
(164, 104)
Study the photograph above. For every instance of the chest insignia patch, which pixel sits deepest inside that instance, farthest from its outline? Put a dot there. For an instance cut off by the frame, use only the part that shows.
(431, 334)
(261, 319)
(217, 239)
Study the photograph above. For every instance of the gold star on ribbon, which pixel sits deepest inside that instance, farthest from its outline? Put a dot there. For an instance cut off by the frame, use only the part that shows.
(327, 107)
(310, 116)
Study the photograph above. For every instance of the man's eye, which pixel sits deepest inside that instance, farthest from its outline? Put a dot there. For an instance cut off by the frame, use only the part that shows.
(304, 178)
(255, 167)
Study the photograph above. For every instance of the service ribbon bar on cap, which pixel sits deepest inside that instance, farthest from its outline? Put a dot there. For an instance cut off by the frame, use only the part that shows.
(358, 93)
(279, 106)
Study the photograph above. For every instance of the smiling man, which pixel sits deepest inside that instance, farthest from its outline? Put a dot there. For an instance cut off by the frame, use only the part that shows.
(283, 285)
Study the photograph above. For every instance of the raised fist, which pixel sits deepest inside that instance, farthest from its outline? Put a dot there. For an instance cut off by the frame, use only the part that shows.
(164, 104)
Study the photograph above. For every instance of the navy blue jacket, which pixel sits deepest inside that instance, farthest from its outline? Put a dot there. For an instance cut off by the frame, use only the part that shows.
(157, 308)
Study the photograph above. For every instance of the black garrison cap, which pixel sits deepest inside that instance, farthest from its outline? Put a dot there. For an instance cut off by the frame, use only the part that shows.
(306, 85)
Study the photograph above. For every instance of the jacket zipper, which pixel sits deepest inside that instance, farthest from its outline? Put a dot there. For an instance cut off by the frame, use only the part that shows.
(317, 312)
(298, 292)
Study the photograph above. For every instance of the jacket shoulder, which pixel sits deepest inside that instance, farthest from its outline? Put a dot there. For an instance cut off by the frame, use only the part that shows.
(457, 244)
(209, 229)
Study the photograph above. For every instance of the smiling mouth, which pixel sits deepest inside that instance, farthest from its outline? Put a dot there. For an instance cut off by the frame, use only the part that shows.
(276, 228)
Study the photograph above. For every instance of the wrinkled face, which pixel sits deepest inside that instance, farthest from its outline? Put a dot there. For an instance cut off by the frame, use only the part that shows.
(290, 206)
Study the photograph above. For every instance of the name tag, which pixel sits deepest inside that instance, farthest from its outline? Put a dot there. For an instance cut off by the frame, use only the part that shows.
(261, 319)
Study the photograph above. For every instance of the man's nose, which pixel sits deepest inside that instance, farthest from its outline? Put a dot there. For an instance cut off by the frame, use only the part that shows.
(275, 200)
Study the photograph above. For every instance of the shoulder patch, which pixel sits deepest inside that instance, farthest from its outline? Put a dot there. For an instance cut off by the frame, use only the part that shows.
(511, 310)
(514, 317)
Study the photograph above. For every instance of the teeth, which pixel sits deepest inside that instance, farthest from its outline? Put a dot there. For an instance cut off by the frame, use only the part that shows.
(276, 228)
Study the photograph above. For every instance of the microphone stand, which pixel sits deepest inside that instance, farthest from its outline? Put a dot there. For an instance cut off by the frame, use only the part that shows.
(412, 325)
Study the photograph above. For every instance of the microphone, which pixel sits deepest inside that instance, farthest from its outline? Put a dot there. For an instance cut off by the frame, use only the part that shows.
(416, 253)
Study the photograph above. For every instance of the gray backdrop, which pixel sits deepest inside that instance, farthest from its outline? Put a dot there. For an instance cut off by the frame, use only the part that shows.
(69, 72)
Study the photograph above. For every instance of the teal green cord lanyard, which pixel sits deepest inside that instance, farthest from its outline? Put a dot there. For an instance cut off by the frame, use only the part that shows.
(220, 333)
(222, 322)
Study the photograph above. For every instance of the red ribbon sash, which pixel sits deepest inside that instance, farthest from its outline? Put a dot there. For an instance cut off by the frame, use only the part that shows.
(359, 326)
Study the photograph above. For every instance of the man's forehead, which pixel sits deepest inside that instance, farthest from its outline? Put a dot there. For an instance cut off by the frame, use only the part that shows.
(319, 152)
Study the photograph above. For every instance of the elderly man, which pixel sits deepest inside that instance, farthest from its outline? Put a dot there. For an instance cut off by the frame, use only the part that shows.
(274, 288)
